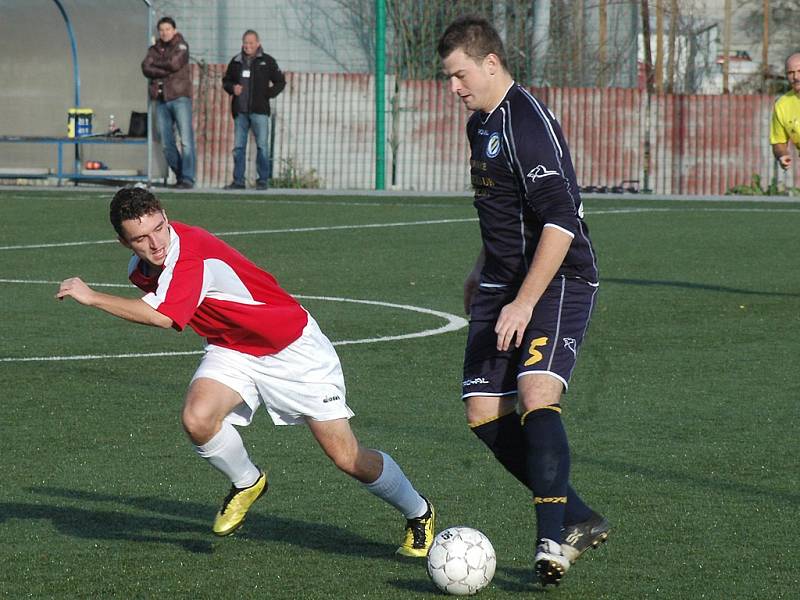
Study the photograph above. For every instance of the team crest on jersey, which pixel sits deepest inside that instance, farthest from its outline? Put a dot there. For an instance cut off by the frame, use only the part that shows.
(493, 145)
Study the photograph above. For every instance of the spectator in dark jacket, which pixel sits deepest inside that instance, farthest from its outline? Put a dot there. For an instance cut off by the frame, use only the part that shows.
(167, 67)
(252, 78)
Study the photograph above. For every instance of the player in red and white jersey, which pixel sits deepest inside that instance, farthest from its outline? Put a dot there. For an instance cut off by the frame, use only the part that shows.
(262, 347)
(223, 296)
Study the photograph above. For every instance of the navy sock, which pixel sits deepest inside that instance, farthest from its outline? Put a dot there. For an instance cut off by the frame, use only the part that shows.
(576, 511)
(548, 468)
(504, 438)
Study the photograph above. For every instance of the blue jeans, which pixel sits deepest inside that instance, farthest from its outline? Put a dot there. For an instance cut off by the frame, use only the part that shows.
(169, 114)
(244, 122)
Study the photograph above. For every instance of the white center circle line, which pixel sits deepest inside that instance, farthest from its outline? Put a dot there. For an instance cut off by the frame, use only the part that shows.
(589, 213)
(452, 323)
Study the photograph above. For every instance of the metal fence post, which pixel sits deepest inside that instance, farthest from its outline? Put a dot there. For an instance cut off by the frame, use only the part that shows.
(380, 95)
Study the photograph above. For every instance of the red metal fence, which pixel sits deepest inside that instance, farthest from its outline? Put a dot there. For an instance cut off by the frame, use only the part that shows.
(324, 131)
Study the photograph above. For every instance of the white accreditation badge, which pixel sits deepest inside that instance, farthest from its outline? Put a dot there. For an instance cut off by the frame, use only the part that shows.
(246, 74)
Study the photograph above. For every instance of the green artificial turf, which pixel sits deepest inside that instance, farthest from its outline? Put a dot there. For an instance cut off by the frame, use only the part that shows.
(682, 412)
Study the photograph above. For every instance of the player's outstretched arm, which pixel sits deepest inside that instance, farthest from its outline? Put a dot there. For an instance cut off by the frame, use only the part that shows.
(130, 309)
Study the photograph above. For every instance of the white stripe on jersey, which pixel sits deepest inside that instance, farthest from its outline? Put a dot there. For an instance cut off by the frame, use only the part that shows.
(507, 126)
(493, 285)
(554, 226)
(512, 153)
(516, 167)
(173, 252)
(491, 112)
(220, 282)
(585, 237)
(546, 118)
(557, 334)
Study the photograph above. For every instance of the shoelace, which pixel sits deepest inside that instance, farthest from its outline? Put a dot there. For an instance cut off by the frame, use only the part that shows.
(417, 527)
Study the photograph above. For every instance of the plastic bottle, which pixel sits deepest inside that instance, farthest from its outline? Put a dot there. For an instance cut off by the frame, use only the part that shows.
(112, 125)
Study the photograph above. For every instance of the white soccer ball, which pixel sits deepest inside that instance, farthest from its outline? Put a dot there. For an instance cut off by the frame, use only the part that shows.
(461, 561)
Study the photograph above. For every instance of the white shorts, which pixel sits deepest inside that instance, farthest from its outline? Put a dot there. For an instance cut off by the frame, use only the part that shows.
(303, 380)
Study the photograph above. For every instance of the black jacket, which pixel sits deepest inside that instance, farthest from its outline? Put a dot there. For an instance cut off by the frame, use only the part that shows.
(266, 81)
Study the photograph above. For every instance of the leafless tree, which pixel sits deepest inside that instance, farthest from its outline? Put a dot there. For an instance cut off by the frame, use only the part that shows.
(322, 24)
(593, 43)
(782, 34)
(553, 54)
(415, 28)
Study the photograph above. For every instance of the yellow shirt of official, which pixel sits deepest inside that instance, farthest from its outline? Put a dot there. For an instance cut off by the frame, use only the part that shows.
(785, 124)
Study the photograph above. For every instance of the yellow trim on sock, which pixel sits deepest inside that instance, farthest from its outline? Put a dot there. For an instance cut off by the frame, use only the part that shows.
(554, 407)
(550, 500)
(490, 419)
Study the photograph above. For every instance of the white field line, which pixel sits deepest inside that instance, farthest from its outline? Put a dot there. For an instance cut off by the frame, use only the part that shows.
(58, 244)
(255, 198)
(340, 227)
(46, 282)
(343, 203)
(12, 359)
(617, 211)
(608, 211)
(452, 323)
(260, 232)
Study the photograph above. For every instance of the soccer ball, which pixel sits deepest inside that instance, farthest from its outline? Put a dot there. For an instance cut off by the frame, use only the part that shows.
(461, 561)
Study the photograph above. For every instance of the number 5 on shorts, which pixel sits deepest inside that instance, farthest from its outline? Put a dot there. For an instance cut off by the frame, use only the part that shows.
(536, 356)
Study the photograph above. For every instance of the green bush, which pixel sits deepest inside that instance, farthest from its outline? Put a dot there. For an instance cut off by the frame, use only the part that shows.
(295, 177)
(755, 188)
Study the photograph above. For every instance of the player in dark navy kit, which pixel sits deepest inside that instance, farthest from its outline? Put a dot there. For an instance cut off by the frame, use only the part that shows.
(531, 292)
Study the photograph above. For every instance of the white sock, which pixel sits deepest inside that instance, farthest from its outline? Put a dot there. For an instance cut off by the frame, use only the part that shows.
(393, 487)
(226, 452)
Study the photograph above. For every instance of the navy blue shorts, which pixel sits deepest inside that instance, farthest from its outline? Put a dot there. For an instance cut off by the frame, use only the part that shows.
(550, 344)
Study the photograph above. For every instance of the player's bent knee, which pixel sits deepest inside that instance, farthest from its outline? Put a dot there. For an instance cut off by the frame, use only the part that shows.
(539, 390)
(479, 410)
(471, 414)
(199, 425)
(345, 460)
(362, 464)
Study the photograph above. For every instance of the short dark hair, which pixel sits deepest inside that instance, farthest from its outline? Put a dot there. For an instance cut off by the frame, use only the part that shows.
(251, 32)
(475, 36)
(132, 203)
(169, 20)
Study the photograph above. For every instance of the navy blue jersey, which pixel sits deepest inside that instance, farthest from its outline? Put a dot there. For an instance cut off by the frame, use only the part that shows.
(524, 181)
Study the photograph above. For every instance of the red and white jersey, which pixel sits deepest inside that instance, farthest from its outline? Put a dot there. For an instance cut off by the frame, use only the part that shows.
(220, 294)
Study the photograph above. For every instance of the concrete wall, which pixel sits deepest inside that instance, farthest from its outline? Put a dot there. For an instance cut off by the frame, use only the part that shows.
(37, 75)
